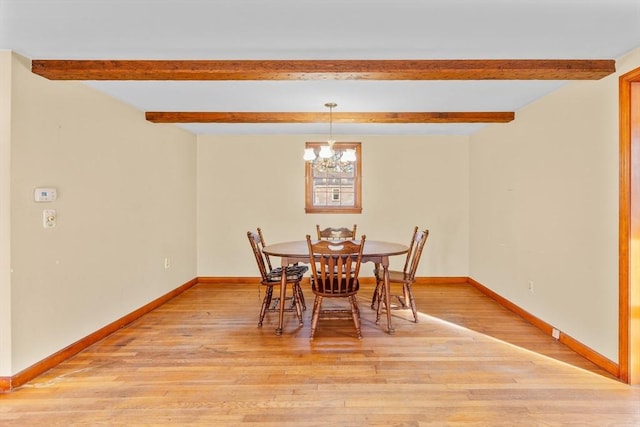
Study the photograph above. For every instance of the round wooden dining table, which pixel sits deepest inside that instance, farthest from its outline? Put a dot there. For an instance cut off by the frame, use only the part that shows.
(375, 251)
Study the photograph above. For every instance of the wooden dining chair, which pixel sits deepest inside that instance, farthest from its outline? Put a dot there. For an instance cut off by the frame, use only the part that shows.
(275, 271)
(336, 233)
(406, 277)
(271, 277)
(334, 270)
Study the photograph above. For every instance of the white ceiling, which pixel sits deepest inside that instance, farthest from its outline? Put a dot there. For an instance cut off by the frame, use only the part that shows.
(330, 29)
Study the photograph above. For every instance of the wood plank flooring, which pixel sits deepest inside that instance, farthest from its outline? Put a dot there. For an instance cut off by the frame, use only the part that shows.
(201, 360)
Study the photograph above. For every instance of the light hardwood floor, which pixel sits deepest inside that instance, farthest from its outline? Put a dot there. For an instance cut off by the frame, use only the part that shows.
(201, 360)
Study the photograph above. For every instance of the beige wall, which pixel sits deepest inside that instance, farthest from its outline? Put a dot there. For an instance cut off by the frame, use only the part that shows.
(246, 182)
(126, 201)
(544, 208)
(5, 220)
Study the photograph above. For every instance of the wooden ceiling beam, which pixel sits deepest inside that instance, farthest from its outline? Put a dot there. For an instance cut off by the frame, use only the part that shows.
(342, 117)
(446, 69)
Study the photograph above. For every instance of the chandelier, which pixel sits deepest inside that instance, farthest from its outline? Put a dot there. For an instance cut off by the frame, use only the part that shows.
(328, 159)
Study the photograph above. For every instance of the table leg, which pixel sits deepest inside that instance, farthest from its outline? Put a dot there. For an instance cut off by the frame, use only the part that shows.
(283, 293)
(387, 294)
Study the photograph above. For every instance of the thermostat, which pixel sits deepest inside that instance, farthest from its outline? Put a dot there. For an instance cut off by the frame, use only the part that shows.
(45, 194)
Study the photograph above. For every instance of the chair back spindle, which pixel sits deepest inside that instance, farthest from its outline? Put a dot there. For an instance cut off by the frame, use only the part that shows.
(257, 243)
(262, 245)
(418, 242)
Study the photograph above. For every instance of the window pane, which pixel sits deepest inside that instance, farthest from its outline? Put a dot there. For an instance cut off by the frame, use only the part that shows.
(333, 185)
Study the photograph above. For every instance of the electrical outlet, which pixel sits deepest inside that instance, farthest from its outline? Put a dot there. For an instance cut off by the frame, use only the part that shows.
(555, 333)
(531, 286)
(49, 218)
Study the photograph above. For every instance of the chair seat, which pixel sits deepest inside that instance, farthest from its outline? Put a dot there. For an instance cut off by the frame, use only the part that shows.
(345, 287)
(294, 273)
(394, 276)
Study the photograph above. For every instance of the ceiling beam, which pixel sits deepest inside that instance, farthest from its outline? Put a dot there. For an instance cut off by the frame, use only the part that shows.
(342, 117)
(445, 69)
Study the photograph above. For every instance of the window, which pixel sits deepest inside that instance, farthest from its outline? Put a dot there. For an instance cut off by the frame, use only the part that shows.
(334, 186)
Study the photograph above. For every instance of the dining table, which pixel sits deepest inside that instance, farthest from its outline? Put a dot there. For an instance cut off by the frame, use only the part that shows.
(375, 251)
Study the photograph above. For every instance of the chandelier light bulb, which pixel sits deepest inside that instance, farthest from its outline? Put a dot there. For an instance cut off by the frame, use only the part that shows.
(349, 155)
(326, 152)
(309, 155)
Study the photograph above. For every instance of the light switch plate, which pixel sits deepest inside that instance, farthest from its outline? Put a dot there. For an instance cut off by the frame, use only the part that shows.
(49, 218)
